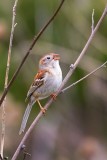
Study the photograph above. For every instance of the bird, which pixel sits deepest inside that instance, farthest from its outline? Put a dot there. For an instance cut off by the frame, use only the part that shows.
(46, 83)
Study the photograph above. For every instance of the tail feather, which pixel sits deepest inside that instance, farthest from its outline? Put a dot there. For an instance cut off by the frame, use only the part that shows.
(25, 117)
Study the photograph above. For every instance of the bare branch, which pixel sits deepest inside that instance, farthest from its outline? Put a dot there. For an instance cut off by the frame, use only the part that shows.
(92, 26)
(72, 68)
(6, 78)
(73, 84)
(29, 51)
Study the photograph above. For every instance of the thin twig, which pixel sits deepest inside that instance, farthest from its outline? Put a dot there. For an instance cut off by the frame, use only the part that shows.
(7, 76)
(73, 84)
(72, 68)
(29, 51)
(92, 26)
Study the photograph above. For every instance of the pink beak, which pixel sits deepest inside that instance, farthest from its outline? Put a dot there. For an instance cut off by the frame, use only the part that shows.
(56, 56)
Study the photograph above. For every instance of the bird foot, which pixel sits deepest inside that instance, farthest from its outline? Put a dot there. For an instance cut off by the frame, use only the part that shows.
(54, 95)
(43, 110)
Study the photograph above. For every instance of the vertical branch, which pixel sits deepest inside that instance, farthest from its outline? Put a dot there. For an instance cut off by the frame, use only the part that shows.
(92, 26)
(6, 77)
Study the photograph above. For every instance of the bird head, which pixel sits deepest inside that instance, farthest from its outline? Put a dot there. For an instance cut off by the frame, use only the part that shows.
(49, 60)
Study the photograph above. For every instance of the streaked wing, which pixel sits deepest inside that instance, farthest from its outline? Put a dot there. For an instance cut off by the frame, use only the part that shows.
(38, 82)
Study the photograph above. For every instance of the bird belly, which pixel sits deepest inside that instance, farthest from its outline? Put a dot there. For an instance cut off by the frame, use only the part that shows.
(49, 87)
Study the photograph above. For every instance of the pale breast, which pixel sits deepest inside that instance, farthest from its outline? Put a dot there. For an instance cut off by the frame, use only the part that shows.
(51, 85)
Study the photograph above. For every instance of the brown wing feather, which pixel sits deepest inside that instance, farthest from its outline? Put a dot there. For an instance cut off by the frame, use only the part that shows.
(38, 81)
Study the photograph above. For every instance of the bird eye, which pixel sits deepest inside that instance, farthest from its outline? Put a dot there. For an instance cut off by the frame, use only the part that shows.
(48, 57)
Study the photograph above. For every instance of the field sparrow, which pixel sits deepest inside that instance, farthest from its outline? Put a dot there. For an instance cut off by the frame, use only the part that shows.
(46, 82)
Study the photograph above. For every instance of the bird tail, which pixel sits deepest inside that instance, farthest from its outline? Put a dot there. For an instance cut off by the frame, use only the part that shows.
(25, 117)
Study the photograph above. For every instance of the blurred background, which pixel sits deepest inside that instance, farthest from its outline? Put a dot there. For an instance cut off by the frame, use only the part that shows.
(75, 126)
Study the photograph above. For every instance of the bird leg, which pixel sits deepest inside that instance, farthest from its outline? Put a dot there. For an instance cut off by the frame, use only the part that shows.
(42, 109)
